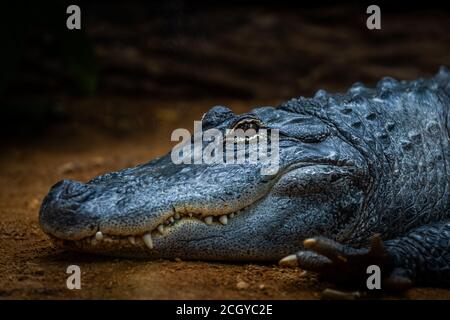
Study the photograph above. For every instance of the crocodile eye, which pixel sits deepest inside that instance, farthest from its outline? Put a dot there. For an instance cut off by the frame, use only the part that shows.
(246, 129)
(247, 124)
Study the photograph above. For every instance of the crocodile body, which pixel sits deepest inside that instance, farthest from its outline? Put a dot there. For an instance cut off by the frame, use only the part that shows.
(372, 161)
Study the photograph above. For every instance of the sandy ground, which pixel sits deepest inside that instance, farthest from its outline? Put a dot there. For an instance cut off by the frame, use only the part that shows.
(32, 268)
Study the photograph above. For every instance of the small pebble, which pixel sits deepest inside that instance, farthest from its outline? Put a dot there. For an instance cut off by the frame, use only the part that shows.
(242, 285)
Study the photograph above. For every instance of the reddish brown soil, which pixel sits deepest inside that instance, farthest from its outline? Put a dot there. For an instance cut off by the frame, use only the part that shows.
(32, 268)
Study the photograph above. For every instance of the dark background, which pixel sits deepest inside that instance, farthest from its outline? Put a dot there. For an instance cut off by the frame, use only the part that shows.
(76, 104)
(188, 50)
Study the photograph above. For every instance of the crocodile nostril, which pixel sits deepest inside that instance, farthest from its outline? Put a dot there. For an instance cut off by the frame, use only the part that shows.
(63, 214)
(72, 190)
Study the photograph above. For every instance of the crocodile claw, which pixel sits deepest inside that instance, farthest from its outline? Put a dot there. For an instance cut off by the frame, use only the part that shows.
(346, 265)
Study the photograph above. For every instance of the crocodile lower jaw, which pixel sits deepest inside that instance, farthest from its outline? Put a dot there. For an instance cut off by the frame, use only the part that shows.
(101, 239)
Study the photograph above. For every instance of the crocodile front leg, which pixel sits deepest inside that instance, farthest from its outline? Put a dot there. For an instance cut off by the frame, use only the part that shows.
(422, 256)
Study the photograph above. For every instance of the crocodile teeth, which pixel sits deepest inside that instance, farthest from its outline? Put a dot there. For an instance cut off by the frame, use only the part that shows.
(161, 229)
(208, 220)
(232, 215)
(148, 240)
(99, 235)
(132, 240)
(223, 219)
(171, 219)
(177, 216)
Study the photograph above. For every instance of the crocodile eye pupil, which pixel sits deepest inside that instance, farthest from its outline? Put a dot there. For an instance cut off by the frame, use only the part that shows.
(247, 125)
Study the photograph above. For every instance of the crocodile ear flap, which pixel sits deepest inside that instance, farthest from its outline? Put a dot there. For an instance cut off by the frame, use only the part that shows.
(307, 129)
(216, 116)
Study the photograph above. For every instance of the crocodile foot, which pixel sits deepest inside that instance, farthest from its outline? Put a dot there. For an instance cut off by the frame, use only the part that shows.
(347, 266)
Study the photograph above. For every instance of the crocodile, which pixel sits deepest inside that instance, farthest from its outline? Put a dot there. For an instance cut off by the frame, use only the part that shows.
(363, 180)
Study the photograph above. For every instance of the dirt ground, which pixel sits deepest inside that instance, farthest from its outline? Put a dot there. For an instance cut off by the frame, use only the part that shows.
(32, 268)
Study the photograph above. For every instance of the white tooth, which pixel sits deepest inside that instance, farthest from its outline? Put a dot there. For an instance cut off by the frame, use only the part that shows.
(148, 240)
(190, 214)
(171, 219)
(232, 215)
(223, 219)
(161, 229)
(132, 240)
(209, 220)
(177, 216)
(99, 235)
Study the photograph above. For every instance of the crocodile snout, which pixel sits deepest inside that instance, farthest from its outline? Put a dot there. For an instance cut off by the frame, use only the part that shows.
(61, 214)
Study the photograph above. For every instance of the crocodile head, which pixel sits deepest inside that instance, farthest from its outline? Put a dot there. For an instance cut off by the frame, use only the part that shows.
(220, 211)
